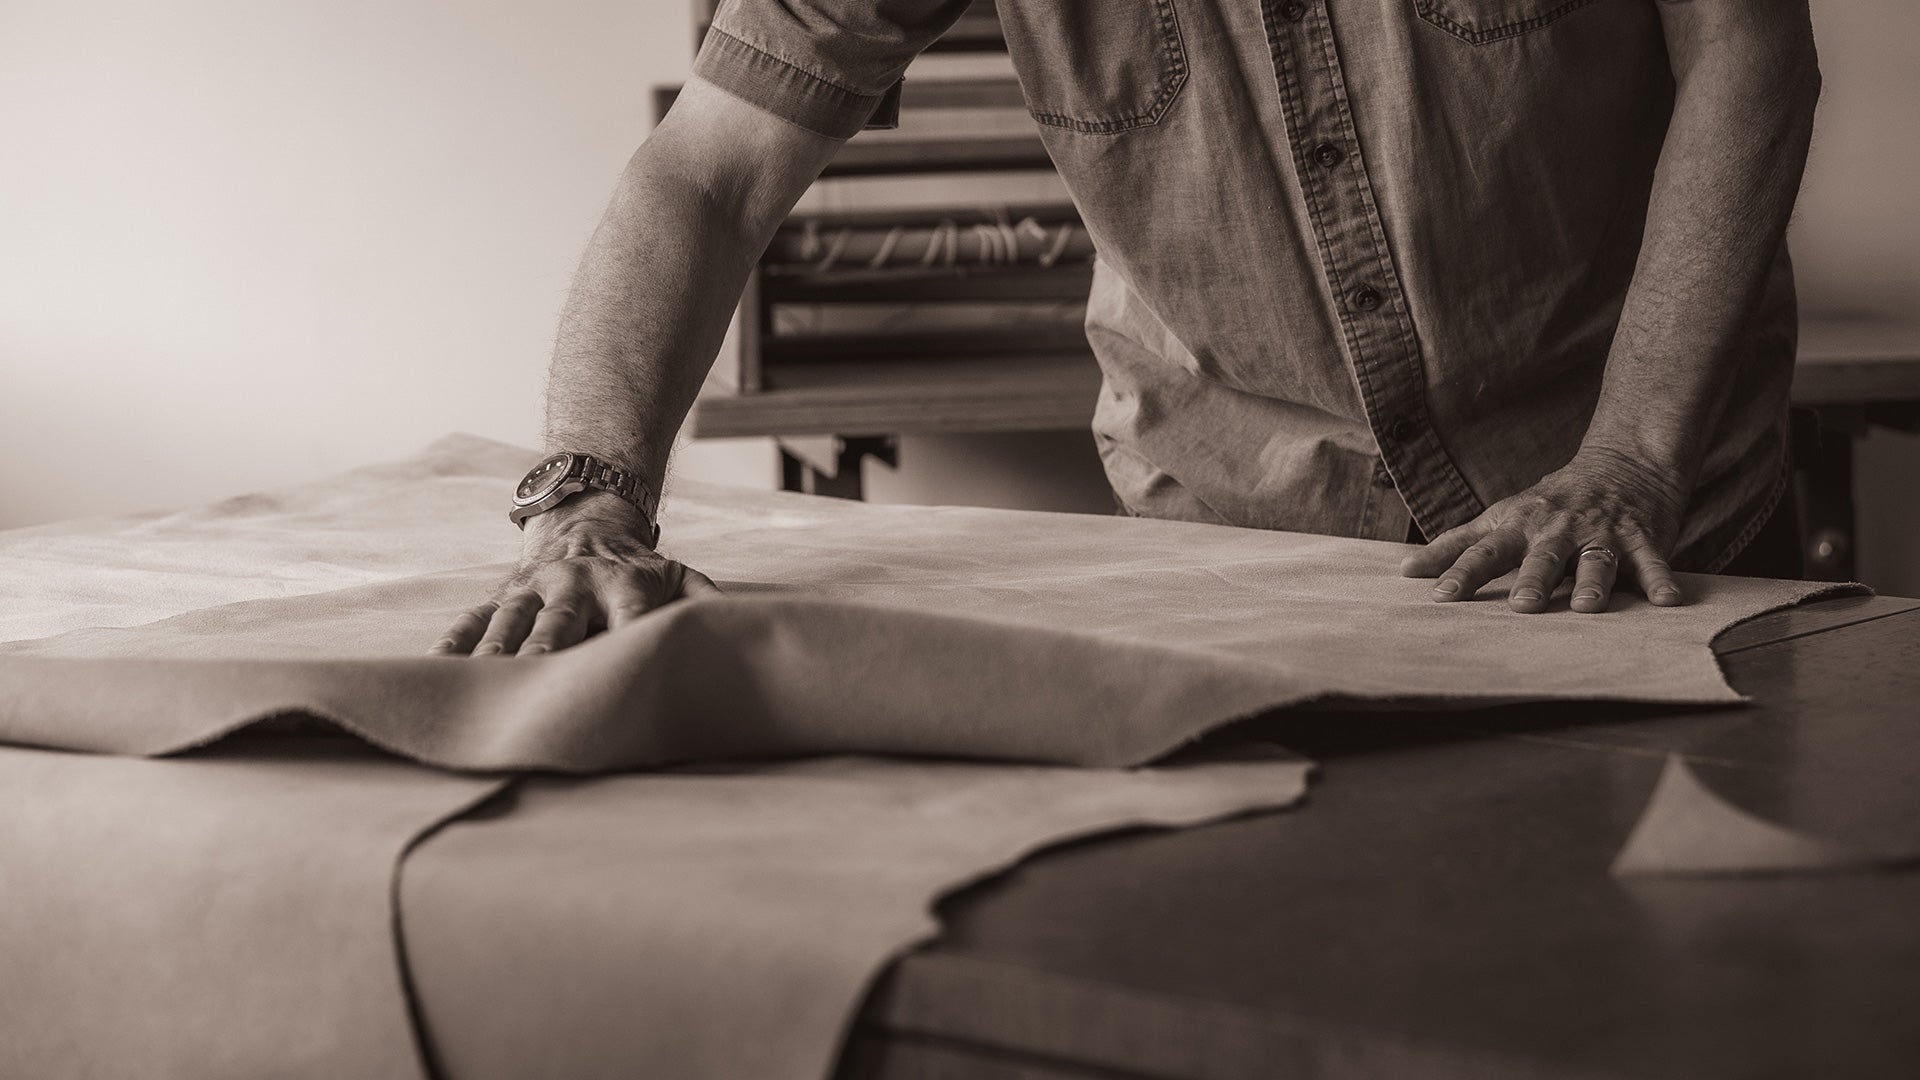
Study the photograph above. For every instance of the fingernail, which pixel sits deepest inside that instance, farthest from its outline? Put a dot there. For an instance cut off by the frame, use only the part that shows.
(1446, 588)
(1526, 596)
(530, 650)
(486, 650)
(1666, 594)
(1587, 595)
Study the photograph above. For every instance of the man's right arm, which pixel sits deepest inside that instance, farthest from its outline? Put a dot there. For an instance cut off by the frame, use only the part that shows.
(648, 310)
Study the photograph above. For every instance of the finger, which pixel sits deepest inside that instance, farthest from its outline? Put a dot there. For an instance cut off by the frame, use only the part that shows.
(1488, 558)
(1540, 574)
(465, 632)
(1654, 575)
(1593, 577)
(509, 625)
(563, 621)
(1444, 550)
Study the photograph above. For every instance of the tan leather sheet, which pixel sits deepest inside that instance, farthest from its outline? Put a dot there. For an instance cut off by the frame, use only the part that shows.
(431, 511)
(726, 923)
(1053, 637)
(225, 915)
(846, 628)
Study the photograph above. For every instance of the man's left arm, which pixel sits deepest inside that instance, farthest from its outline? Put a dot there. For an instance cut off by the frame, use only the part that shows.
(1724, 188)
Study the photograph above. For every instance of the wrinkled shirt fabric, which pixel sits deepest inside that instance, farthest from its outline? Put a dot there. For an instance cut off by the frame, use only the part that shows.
(1361, 261)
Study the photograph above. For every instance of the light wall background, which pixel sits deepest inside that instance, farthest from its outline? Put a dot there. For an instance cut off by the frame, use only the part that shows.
(245, 243)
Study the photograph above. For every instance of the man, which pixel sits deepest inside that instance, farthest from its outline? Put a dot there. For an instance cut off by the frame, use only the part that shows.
(1506, 274)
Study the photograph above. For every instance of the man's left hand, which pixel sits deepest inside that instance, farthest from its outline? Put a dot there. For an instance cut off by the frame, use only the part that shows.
(1604, 515)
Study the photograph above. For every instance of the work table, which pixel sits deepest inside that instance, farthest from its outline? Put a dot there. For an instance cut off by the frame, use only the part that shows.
(1441, 904)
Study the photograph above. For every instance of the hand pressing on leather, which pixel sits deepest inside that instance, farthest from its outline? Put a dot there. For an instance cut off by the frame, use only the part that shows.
(1604, 515)
(582, 570)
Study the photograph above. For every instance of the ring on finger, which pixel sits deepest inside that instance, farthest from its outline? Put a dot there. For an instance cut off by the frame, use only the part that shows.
(1601, 550)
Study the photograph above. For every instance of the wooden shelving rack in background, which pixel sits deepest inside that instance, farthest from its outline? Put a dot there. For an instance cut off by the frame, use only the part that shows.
(832, 389)
(832, 398)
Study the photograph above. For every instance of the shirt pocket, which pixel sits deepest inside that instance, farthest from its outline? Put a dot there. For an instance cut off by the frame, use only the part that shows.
(1096, 66)
(1478, 22)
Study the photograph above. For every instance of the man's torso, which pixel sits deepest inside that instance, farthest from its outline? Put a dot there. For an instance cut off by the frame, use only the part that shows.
(1362, 260)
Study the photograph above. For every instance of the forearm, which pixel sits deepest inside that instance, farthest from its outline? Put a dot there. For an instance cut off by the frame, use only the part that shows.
(645, 316)
(650, 303)
(1722, 194)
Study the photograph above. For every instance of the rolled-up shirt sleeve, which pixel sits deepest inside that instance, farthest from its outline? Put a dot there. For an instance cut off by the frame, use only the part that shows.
(824, 65)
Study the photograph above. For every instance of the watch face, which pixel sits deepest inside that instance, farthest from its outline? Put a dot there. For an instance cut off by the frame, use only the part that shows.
(544, 478)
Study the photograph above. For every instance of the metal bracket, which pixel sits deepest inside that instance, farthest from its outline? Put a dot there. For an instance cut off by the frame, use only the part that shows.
(830, 464)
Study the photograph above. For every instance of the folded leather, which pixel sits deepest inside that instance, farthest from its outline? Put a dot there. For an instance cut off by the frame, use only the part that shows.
(879, 630)
(709, 680)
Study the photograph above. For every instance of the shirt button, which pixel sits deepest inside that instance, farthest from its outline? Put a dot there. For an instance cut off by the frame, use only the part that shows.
(1293, 10)
(1366, 298)
(1328, 155)
(1381, 477)
(1402, 430)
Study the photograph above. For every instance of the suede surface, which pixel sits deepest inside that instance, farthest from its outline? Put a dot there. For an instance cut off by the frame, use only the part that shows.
(727, 922)
(224, 915)
(234, 908)
(187, 903)
(1043, 637)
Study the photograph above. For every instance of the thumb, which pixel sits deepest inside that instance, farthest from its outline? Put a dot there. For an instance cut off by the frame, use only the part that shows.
(693, 583)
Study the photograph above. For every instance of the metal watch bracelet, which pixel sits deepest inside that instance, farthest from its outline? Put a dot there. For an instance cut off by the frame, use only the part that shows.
(563, 475)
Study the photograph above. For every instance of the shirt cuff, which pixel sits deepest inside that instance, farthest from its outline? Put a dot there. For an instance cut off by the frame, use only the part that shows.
(791, 93)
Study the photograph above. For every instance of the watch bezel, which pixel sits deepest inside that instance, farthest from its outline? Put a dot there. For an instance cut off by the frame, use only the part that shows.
(553, 471)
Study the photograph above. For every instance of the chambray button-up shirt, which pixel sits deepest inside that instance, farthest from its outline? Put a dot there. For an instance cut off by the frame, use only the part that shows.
(1361, 261)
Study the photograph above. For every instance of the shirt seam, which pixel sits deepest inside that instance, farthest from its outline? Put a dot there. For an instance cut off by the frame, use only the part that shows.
(1369, 380)
(783, 88)
(1383, 259)
(1759, 521)
(1174, 53)
(798, 69)
(1484, 35)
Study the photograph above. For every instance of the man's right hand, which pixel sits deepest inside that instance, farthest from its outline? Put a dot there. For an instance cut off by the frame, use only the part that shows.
(582, 570)
(648, 310)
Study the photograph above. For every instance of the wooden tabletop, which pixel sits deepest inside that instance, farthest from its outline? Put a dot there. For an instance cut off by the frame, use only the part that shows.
(1440, 905)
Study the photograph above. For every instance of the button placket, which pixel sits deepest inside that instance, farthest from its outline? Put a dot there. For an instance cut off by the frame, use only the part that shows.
(1359, 270)
(1382, 478)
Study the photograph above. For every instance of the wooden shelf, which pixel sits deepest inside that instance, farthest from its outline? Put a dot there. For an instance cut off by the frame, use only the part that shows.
(1857, 362)
(1842, 362)
(1047, 214)
(908, 397)
(960, 283)
(907, 156)
(915, 94)
(789, 352)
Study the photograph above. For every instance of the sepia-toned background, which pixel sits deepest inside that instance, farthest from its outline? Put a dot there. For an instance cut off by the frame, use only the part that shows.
(245, 244)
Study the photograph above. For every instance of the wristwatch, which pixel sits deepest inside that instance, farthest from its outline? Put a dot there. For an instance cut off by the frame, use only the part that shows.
(565, 474)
